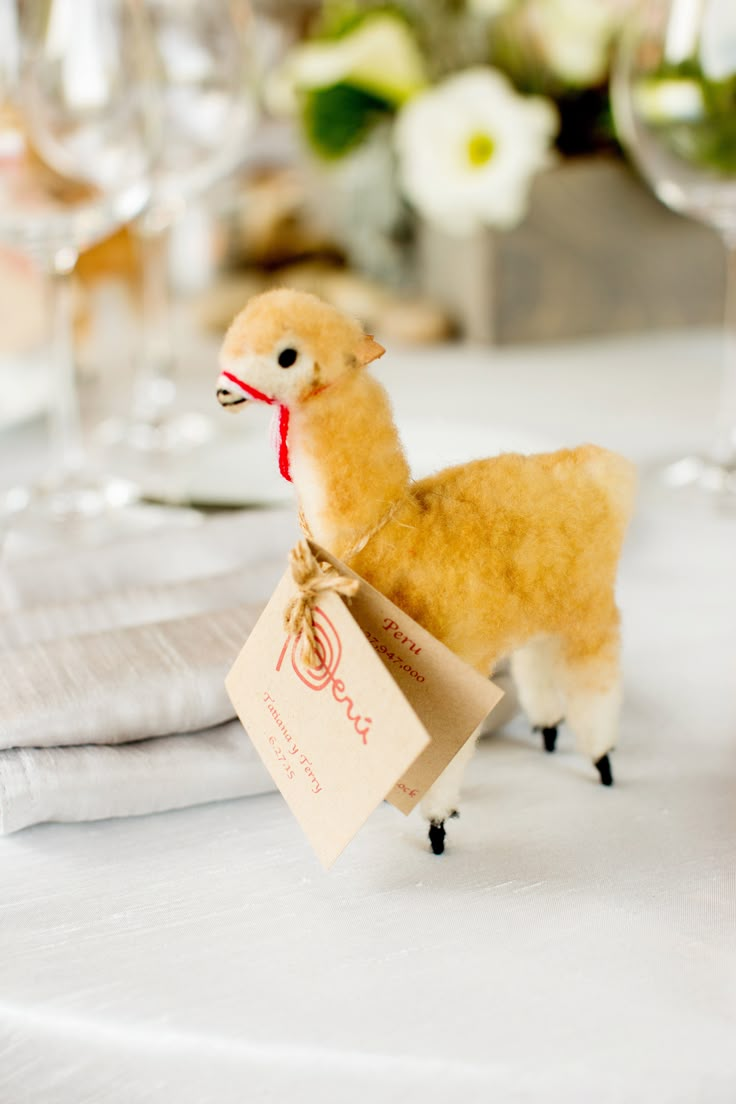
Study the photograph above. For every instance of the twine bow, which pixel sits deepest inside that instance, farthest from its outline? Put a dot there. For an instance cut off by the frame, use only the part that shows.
(312, 578)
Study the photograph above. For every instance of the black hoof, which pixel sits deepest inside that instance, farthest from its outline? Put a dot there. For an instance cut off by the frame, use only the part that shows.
(549, 735)
(603, 766)
(437, 837)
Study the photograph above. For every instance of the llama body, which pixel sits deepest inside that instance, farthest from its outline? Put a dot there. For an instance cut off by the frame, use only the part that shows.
(512, 555)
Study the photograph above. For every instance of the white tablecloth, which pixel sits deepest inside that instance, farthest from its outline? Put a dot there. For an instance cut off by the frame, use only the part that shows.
(574, 944)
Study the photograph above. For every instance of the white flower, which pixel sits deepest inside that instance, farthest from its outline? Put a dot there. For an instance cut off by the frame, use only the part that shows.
(575, 36)
(380, 56)
(468, 149)
(490, 8)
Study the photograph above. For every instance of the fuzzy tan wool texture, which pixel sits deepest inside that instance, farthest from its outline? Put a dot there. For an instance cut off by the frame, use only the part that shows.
(492, 556)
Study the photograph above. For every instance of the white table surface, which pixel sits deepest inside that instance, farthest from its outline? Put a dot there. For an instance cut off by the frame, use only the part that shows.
(574, 944)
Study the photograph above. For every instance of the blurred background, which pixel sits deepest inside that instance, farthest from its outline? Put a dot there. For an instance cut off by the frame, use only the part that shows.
(513, 173)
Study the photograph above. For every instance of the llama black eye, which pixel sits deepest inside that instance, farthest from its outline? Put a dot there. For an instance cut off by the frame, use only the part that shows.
(287, 357)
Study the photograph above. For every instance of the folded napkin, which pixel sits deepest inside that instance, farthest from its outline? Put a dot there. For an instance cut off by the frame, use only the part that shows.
(137, 605)
(128, 684)
(112, 667)
(91, 783)
(221, 543)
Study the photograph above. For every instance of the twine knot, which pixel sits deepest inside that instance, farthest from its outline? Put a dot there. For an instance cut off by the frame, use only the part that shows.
(312, 577)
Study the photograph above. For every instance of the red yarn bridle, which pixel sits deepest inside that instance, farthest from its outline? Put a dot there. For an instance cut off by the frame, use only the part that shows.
(281, 425)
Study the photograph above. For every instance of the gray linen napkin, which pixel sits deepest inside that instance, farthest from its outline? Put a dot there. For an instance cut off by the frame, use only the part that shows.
(93, 783)
(128, 645)
(138, 605)
(127, 684)
(222, 543)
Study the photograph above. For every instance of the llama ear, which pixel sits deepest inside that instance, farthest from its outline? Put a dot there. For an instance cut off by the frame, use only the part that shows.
(368, 349)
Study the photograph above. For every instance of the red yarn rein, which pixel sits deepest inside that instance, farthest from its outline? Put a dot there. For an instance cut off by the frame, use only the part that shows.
(283, 422)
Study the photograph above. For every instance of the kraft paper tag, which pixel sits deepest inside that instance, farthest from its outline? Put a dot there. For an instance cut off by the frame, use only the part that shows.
(379, 718)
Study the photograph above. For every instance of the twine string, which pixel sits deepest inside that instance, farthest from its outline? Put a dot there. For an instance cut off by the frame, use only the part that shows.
(363, 540)
(312, 578)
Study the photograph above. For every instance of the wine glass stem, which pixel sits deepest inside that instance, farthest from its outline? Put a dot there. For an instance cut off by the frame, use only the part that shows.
(67, 451)
(155, 387)
(726, 442)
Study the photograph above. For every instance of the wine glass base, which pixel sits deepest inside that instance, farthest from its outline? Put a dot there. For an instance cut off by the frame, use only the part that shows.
(79, 512)
(159, 456)
(164, 435)
(701, 473)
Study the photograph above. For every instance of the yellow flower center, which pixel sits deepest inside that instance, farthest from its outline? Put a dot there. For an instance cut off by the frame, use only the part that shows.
(481, 148)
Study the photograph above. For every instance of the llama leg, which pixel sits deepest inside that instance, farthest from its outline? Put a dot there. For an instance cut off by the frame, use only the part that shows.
(441, 801)
(537, 672)
(593, 690)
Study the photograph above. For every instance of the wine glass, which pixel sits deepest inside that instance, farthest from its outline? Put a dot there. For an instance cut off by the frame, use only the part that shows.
(65, 97)
(674, 100)
(203, 111)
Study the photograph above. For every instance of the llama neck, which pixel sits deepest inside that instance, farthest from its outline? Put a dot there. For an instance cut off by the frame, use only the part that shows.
(347, 462)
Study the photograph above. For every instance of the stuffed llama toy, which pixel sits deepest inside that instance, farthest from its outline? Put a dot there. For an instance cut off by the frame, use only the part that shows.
(514, 555)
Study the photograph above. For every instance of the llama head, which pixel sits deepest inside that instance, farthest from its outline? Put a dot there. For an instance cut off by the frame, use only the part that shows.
(286, 347)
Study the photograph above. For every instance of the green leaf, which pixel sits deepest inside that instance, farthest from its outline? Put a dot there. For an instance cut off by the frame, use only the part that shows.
(337, 119)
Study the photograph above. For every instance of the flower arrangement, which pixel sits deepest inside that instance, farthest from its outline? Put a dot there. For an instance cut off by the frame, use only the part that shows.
(471, 97)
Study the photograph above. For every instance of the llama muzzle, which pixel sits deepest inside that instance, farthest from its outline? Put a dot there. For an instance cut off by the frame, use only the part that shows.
(229, 394)
(228, 398)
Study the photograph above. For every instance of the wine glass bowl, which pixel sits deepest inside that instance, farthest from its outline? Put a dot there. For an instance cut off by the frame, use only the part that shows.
(75, 140)
(74, 151)
(674, 101)
(202, 112)
(44, 213)
(83, 113)
(202, 104)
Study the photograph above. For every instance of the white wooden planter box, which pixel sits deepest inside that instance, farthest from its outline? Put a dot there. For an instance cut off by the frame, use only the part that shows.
(596, 254)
